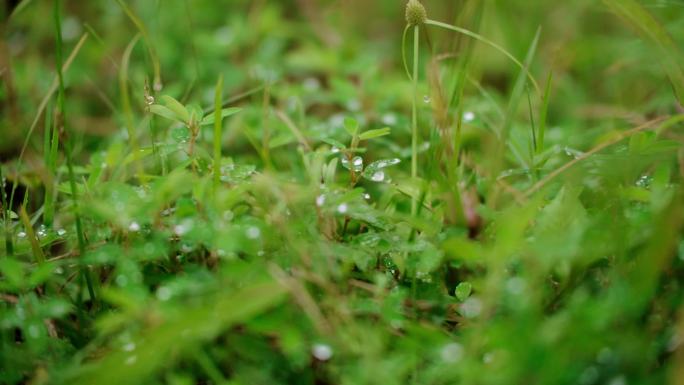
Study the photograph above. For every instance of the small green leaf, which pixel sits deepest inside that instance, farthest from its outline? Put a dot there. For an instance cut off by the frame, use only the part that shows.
(334, 143)
(351, 125)
(180, 134)
(13, 272)
(209, 119)
(370, 134)
(196, 113)
(463, 291)
(163, 112)
(178, 109)
(374, 170)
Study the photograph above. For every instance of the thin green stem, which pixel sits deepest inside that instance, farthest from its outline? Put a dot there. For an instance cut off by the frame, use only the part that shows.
(489, 43)
(414, 113)
(68, 148)
(9, 247)
(150, 48)
(218, 96)
(128, 110)
(544, 112)
(403, 51)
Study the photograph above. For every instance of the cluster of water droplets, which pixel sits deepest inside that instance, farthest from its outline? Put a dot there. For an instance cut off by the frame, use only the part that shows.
(356, 163)
(644, 181)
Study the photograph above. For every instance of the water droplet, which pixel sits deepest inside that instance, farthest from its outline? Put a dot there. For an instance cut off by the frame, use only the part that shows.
(129, 347)
(320, 200)
(337, 120)
(452, 352)
(21, 234)
(342, 208)
(358, 163)
(572, 152)
(472, 307)
(515, 286)
(61, 232)
(604, 356)
(644, 181)
(183, 227)
(149, 100)
(121, 280)
(134, 227)
(589, 376)
(163, 293)
(253, 232)
(388, 162)
(311, 84)
(468, 116)
(335, 150)
(426, 99)
(42, 231)
(353, 105)
(167, 212)
(33, 331)
(389, 119)
(366, 196)
(322, 352)
(378, 176)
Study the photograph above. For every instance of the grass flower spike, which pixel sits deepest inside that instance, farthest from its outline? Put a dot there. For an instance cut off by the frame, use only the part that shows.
(415, 13)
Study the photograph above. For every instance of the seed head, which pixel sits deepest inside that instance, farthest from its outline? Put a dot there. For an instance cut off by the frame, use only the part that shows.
(415, 13)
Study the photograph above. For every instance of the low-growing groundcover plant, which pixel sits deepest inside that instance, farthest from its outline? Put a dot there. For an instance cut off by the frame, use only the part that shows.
(295, 192)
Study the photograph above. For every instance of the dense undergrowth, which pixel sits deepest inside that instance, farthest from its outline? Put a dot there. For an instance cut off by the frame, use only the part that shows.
(278, 192)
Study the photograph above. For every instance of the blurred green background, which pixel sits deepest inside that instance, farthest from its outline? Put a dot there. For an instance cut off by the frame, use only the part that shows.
(266, 282)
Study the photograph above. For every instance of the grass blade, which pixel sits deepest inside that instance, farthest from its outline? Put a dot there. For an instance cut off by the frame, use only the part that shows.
(648, 27)
(217, 131)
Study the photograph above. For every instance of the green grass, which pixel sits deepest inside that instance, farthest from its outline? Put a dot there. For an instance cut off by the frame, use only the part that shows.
(277, 192)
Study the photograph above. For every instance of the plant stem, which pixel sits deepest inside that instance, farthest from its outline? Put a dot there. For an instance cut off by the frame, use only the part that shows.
(414, 114)
(67, 150)
(489, 43)
(217, 132)
(9, 248)
(128, 110)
